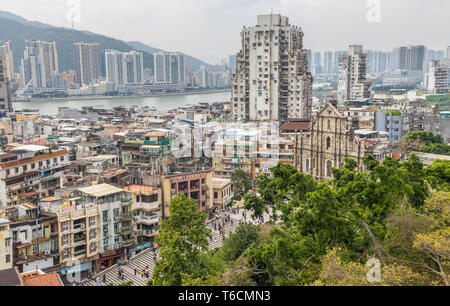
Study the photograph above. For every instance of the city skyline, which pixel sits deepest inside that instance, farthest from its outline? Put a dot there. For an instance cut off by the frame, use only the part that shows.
(350, 26)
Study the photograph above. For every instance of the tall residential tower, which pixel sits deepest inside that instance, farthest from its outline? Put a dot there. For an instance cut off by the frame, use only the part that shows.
(352, 75)
(88, 62)
(272, 81)
(7, 54)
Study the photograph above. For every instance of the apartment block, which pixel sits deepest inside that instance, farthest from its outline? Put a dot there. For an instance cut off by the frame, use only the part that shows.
(30, 170)
(352, 75)
(272, 81)
(116, 221)
(195, 185)
(88, 64)
(147, 208)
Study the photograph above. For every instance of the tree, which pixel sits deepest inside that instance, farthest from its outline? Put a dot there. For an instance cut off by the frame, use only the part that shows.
(425, 142)
(284, 192)
(438, 174)
(436, 243)
(238, 242)
(338, 272)
(242, 184)
(183, 237)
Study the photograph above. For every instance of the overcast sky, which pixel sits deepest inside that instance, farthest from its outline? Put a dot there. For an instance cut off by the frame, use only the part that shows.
(210, 29)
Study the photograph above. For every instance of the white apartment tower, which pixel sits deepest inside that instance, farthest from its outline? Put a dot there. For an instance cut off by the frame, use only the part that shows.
(352, 75)
(437, 77)
(170, 68)
(272, 81)
(124, 68)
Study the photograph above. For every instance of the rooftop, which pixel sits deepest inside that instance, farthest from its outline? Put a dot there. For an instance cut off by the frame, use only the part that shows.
(101, 190)
(41, 280)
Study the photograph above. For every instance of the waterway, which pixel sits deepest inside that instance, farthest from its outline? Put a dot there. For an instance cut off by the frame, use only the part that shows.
(167, 102)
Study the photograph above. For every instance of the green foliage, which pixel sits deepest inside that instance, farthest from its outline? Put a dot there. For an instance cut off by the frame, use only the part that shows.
(426, 142)
(394, 113)
(242, 184)
(182, 239)
(326, 230)
(438, 174)
(237, 243)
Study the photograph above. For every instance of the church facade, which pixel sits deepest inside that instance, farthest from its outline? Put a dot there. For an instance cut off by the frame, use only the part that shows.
(328, 143)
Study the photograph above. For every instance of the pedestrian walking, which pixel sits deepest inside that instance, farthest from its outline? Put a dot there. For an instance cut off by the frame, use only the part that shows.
(135, 271)
(96, 281)
(104, 278)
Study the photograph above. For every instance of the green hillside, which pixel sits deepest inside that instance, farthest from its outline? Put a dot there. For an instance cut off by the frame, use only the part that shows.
(17, 30)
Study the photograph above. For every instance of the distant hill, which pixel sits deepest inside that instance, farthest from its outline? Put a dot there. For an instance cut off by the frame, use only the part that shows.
(18, 29)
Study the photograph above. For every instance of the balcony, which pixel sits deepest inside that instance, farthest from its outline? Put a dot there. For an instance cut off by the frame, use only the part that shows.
(124, 230)
(150, 233)
(148, 206)
(79, 228)
(79, 253)
(127, 242)
(126, 216)
(148, 220)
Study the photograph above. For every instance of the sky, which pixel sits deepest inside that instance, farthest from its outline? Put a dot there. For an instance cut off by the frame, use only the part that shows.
(210, 29)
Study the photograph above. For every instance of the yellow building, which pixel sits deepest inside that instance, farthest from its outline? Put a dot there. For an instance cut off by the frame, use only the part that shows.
(223, 192)
(6, 258)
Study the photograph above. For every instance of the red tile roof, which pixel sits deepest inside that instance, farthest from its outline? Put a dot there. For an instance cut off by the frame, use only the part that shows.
(295, 126)
(45, 280)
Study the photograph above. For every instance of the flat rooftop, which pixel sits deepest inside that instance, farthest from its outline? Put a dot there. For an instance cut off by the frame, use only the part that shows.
(101, 190)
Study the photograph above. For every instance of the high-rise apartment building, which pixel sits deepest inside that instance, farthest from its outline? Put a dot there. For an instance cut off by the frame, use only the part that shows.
(41, 53)
(170, 68)
(124, 68)
(88, 62)
(5, 90)
(437, 77)
(317, 62)
(409, 58)
(7, 54)
(352, 75)
(328, 62)
(50, 57)
(448, 52)
(32, 66)
(272, 81)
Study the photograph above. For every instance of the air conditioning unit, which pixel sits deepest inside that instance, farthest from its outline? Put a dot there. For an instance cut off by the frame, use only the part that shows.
(83, 226)
(47, 252)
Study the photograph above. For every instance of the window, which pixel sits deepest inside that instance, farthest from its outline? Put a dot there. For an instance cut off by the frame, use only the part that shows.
(8, 258)
(328, 143)
(329, 165)
(66, 239)
(66, 226)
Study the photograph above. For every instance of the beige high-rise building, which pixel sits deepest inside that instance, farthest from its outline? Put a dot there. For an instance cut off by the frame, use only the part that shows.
(272, 81)
(88, 62)
(7, 54)
(48, 53)
(5, 89)
(50, 57)
(353, 84)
